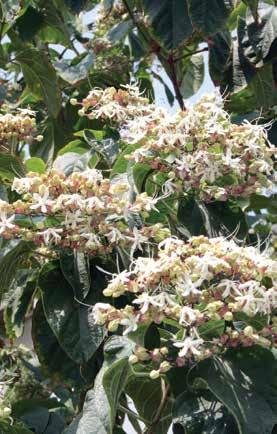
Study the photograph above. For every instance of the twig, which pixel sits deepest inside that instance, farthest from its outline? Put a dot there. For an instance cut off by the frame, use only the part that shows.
(165, 394)
(133, 414)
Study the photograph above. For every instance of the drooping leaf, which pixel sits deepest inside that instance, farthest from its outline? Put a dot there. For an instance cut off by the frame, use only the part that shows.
(219, 54)
(75, 268)
(119, 31)
(261, 31)
(170, 21)
(245, 382)
(193, 76)
(209, 16)
(146, 395)
(40, 77)
(71, 321)
(101, 402)
(54, 361)
(73, 73)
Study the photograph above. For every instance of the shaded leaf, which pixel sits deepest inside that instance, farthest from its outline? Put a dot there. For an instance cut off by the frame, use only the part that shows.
(170, 21)
(40, 77)
(71, 321)
(193, 77)
(73, 73)
(209, 16)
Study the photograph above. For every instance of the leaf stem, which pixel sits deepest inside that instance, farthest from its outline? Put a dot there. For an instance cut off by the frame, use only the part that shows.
(165, 394)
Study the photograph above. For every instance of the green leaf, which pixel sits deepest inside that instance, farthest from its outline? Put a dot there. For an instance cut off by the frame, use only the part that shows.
(262, 33)
(40, 77)
(55, 363)
(219, 54)
(15, 428)
(194, 414)
(119, 31)
(75, 268)
(170, 21)
(244, 381)
(193, 77)
(73, 162)
(76, 146)
(10, 167)
(101, 402)
(209, 16)
(146, 395)
(114, 381)
(253, 5)
(211, 329)
(108, 148)
(140, 175)
(70, 320)
(35, 164)
(36, 419)
(121, 164)
(11, 262)
(73, 73)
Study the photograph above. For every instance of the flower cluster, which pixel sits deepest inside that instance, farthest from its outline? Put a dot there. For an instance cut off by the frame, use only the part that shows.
(15, 128)
(116, 105)
(209, 290)
(82, 211)
(199, 149)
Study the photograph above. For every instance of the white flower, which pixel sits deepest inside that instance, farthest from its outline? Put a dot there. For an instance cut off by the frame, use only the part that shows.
(130, 322)
(188, 315)
(6, 222)
(189, 345)
(72, 219)
(98, 310)
(187, 287)
(114, 236)
(76, 200)
(23, 185)
(145, 300)
(51, 234)
(41, 202)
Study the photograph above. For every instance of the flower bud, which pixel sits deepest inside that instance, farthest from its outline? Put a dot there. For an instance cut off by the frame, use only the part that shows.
(113, 325)
(154, 374)
(5, 412)
(235, 334)
(164, 367)
(228, 316)
(248, 331)
(133, 359)
(73, 101)
(39, 138)
(164, 351)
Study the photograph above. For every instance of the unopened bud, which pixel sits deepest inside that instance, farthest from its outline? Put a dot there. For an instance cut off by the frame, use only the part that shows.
(154, 374)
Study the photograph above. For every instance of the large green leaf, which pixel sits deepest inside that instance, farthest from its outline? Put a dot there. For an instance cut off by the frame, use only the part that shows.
(54, 361)
(245, 382)
(71, 320)
(146, 395)
(209, 16)
(40, 77)
(199, 415)
(101, 402)
(170, 21)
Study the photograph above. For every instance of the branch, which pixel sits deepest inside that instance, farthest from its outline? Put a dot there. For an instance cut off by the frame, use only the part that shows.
(171, 63)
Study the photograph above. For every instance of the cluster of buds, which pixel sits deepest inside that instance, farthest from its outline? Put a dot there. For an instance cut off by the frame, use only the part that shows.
(16, 128)
(115, 105)
(200, 150)
(195, 287)
(82, 211)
